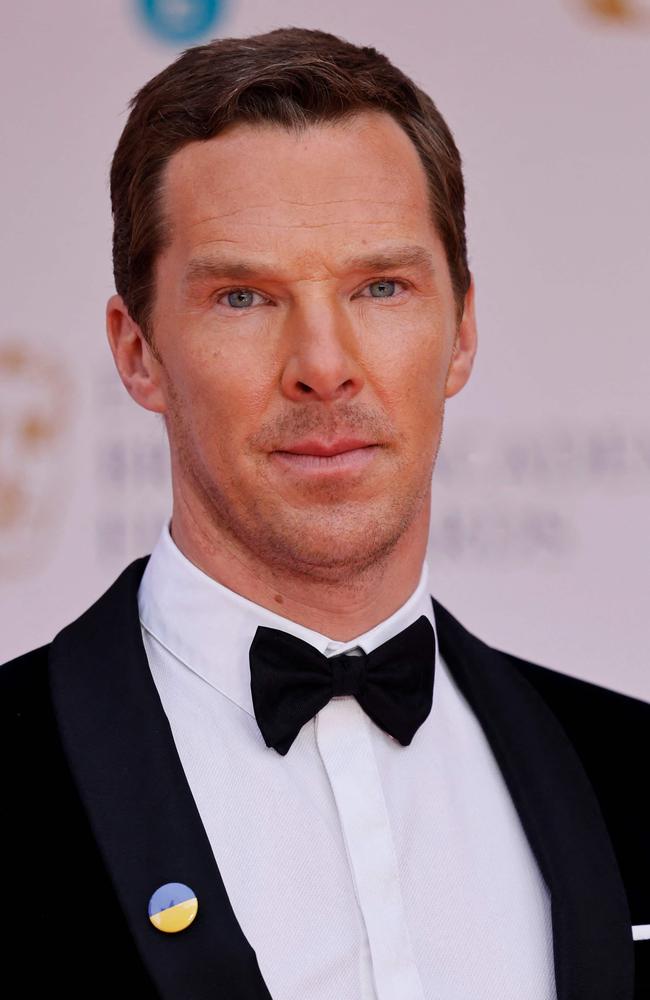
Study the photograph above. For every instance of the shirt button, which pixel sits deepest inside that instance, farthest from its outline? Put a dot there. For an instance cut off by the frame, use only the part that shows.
(173, 907)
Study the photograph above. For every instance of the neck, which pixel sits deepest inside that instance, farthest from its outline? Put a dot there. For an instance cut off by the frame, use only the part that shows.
(341, 608)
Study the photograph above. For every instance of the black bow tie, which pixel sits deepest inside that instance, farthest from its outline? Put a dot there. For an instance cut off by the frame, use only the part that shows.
(291, 681)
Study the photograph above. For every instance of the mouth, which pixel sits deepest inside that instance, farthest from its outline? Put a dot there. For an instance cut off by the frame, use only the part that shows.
(345, 455)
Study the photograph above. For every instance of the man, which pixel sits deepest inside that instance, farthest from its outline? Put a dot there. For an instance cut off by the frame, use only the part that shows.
(267, 762)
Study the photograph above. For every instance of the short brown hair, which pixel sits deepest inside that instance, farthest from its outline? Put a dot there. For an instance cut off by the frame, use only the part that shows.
(293, 77)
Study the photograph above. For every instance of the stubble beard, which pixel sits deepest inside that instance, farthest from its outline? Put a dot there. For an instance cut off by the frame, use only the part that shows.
(326, 546)
(335, 542)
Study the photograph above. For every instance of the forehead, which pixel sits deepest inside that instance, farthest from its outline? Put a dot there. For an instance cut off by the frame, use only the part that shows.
(353, 179)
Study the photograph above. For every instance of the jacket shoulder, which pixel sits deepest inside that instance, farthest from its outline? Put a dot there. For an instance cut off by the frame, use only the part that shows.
(583, 707)
(23, 683)
(608, 729)
(53, 851)
(609, 732)
(25, 680)
(603, 723)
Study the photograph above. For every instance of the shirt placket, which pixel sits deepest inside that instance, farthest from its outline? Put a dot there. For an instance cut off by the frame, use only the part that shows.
(344, 743)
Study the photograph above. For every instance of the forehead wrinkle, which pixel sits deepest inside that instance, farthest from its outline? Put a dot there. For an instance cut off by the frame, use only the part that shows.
(222, 215)
(208, 266)
(292, 225)
(277, 226)
(305, 225)
(343, 201)
(319, 225)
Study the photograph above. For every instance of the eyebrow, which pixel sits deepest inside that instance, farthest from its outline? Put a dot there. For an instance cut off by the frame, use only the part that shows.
(220, 266)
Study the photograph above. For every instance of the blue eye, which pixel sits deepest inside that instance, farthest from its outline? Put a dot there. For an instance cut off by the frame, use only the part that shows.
(240, 298)
(385, 286)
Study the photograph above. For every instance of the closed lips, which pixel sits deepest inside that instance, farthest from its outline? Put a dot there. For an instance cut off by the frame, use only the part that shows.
(325, 450)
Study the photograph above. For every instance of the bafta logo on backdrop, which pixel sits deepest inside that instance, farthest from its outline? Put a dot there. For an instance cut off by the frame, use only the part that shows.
(626, 13)
(35, 402)
(180, 22)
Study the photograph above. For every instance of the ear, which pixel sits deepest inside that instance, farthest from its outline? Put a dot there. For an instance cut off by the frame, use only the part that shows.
(462, 357)
(139, 368)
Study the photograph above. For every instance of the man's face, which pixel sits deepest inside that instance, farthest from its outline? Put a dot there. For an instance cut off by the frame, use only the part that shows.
(305, 305)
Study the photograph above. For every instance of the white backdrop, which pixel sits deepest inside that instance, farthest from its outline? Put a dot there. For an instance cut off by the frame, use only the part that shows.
(540, 541)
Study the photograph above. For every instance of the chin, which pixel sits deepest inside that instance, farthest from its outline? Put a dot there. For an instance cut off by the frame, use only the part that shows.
(332, 552)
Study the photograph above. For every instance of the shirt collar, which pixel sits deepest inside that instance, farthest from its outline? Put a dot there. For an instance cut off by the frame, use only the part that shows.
(209, 627)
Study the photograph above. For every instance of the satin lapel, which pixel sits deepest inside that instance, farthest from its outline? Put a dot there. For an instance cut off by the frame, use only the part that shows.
(121, 751)
(593, 947)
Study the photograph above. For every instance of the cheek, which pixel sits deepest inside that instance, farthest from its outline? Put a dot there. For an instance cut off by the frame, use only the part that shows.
(218, 395)
(410, 376)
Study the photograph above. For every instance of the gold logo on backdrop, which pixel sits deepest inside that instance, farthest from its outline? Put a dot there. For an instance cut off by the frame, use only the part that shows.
(35, 393)
(633, 13)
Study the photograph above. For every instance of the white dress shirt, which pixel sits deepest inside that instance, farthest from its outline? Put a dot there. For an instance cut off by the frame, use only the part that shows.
(358, 869)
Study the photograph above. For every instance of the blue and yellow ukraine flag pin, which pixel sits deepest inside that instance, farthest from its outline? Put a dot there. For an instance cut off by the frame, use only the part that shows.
(173, 907)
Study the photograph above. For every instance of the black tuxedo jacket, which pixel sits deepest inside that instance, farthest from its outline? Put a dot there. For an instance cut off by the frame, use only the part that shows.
(98, 814)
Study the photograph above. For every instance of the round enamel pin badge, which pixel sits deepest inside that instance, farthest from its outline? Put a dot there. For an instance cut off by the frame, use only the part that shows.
(173, 907)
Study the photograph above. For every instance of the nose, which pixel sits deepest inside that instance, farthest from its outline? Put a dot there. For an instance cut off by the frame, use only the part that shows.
(322, 361)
